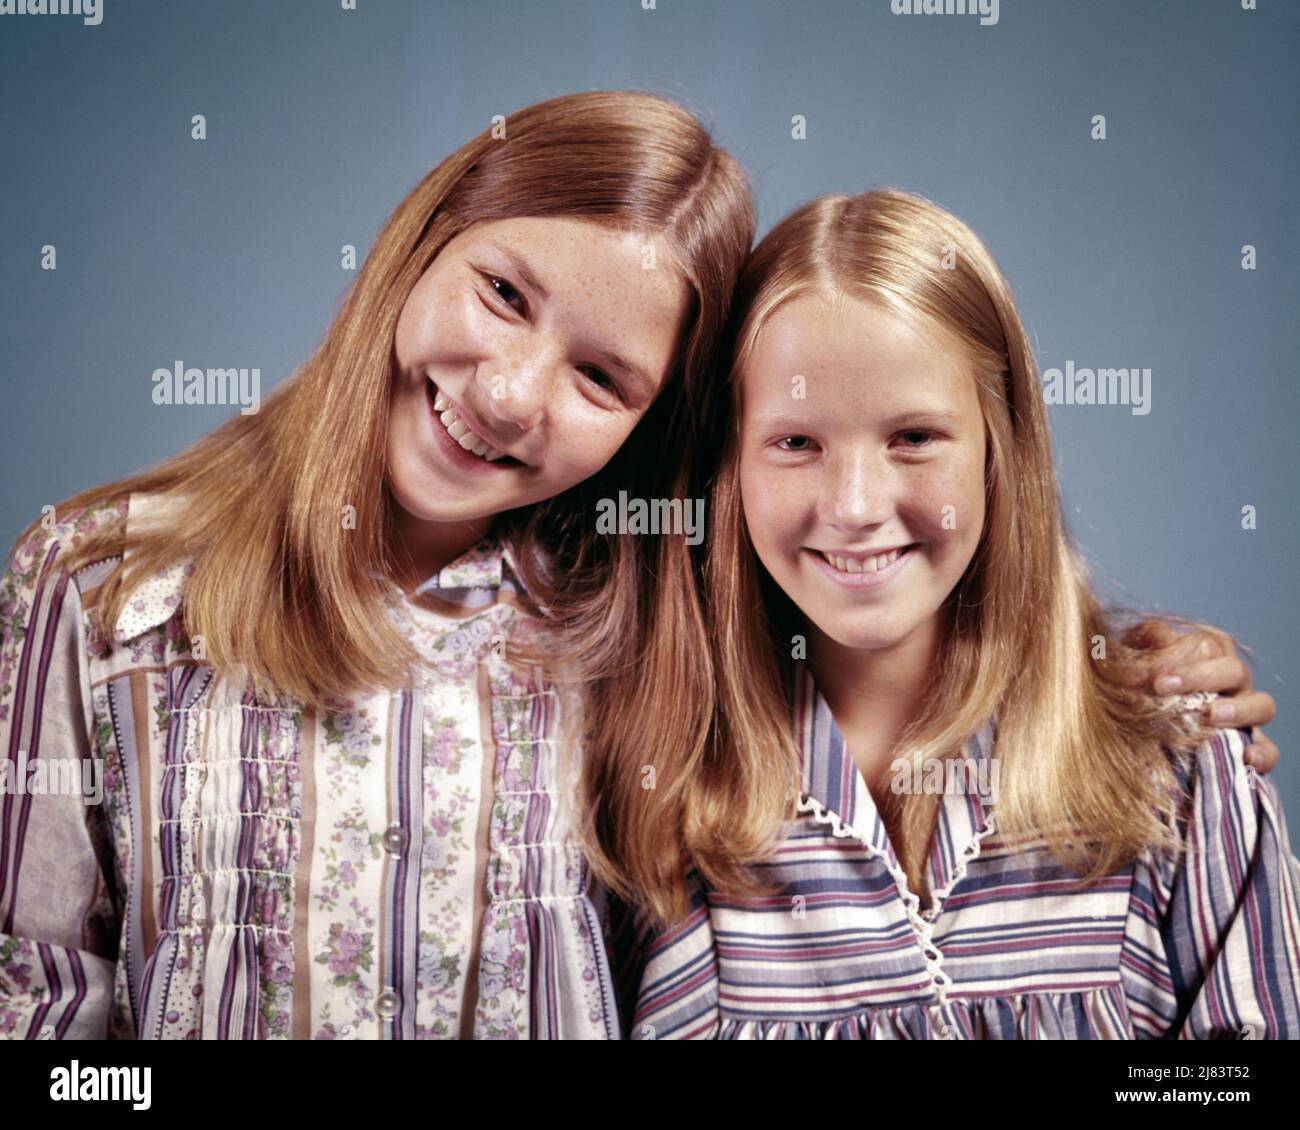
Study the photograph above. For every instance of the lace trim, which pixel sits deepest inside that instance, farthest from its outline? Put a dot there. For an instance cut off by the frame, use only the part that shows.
(207, 817)
(922, 923)
(190, 876)
(212, 927)
(209, 927)
(969, 852)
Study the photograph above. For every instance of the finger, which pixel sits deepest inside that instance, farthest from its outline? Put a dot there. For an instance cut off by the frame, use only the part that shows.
(1150, 634)
(1262, 755)
(1205, 643)
(1183, 653)
(1225, 674)
(1244, 710)
(1175, 669)
(1151, 639)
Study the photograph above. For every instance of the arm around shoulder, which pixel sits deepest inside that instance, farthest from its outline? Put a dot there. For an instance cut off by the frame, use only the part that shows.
(1232, 927)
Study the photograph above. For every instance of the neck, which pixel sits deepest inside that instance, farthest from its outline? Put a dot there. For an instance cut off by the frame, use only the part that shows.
(874, 693)
(423, 548)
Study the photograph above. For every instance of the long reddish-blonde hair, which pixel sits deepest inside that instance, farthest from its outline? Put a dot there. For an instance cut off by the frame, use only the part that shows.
(1080, 749)
(282, 592)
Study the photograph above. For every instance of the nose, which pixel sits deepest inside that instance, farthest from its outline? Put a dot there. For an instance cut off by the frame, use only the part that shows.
(517, 383)
(858, 496)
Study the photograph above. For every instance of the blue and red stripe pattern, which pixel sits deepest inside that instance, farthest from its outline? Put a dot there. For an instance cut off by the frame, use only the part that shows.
(1008, 946)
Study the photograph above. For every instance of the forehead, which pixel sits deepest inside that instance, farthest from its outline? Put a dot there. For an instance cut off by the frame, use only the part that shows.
(583, 248)
(853, 349)
(627, 280)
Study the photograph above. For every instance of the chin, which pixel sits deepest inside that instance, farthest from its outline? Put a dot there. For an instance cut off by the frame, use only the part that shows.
(426, 502)
(866, 641)
(441, 512)
(878, 635)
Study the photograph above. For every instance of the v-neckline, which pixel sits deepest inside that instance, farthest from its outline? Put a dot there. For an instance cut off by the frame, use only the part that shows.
(833, 787)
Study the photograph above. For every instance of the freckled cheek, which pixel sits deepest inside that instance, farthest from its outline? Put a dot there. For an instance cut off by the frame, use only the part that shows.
(404, 442)
(775, 508)
(472, 331)
(407, 408)
(948, 507)
(580, 443)
(444, 326)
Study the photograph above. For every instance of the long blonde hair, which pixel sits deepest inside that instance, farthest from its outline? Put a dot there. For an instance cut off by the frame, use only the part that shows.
(1084, 756)
(280, 590)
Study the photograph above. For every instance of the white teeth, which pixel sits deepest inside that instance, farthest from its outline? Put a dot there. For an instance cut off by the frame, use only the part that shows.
(863, 564)
(460, 431)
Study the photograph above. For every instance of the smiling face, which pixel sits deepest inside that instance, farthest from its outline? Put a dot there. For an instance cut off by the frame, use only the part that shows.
(525, 355)
(846, 491)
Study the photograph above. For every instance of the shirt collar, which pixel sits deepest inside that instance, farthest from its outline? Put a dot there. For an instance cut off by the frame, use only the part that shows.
(834, 791)
(155, 599)
(488, 564)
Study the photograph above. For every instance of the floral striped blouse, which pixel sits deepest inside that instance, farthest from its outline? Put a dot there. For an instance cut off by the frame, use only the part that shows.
(389, 866)
(1008, 947)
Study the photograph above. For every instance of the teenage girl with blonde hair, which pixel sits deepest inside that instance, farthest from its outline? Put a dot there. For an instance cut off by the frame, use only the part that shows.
(892, 597)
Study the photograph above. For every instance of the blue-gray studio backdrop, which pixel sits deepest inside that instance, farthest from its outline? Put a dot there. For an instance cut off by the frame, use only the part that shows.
(1128, 251)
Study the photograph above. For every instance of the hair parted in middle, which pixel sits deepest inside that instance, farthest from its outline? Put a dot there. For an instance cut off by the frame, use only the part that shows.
(1085, 761)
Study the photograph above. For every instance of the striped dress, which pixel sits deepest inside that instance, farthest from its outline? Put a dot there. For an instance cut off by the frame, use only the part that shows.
(1009, 946)
(384, 866)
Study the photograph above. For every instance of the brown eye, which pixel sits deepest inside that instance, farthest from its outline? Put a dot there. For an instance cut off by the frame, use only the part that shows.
(800, 443)
(505, 291)
(601, 379)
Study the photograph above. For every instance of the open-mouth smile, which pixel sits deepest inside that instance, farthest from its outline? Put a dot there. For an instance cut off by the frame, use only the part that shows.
(462, 444)
(863, 570)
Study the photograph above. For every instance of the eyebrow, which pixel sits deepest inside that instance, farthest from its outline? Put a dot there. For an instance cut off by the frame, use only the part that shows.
(524, 270)
(785, 417)
(923, 417)
(611, 358)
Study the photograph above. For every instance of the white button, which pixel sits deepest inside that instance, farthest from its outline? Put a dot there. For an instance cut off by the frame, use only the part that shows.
(386, 1004)
(395, 839)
